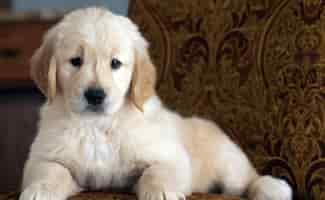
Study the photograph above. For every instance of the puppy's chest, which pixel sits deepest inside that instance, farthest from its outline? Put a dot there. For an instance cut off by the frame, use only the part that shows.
(100, 162)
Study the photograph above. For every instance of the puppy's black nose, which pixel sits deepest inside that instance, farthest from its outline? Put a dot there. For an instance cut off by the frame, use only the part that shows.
(95, 96)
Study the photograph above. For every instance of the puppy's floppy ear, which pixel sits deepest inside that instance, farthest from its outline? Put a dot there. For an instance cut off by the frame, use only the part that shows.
(144, 76)
(43, 68)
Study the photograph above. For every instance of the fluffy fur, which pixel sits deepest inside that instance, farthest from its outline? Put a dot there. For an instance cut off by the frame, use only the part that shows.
(135, 142)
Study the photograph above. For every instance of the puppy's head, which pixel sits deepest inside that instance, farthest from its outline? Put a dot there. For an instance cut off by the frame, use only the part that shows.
(94, 61)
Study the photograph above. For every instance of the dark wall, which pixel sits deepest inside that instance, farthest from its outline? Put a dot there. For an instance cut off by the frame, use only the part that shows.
(4, 4)
(18, 121)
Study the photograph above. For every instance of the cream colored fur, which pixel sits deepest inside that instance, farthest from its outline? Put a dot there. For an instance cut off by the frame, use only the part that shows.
(136, 139)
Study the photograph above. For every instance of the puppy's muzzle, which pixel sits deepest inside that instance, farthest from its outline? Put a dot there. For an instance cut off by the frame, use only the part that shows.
(95, 96)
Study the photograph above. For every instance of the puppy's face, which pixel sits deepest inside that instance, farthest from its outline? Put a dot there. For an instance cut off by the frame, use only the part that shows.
(95, 61)
(94, 74)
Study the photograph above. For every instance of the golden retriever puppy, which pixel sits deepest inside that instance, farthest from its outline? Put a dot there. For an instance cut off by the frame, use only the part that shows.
(103, 126)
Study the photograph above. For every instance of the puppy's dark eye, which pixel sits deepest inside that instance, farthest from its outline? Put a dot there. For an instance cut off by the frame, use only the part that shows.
(116, 64)
(76, 62)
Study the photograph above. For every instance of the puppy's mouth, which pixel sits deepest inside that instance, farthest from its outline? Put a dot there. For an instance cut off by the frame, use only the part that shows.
(95, 108)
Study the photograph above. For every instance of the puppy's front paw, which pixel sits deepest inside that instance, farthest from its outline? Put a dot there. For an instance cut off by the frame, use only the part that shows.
(156, 192)
(269, 188)
(39, 191)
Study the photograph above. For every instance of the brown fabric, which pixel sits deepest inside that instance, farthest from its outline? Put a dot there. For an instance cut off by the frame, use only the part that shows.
(255, 67)
(18, 120)
(117, 196)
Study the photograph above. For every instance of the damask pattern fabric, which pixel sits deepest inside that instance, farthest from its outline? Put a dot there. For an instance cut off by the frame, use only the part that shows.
(256, 67)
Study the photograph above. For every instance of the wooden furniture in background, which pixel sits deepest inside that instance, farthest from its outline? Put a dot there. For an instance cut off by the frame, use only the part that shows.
(18, 41)
(20, 36)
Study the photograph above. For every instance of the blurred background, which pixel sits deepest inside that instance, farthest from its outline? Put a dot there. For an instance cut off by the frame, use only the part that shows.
(118, 6)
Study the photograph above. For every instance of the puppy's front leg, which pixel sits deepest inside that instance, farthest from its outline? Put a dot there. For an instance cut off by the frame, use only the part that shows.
(44, 180)
(164, 182)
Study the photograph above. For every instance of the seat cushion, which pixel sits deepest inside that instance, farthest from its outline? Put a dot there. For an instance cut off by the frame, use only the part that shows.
(119, 196)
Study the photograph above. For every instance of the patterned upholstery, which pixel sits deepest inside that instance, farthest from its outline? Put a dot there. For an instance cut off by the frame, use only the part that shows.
(254, 66)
